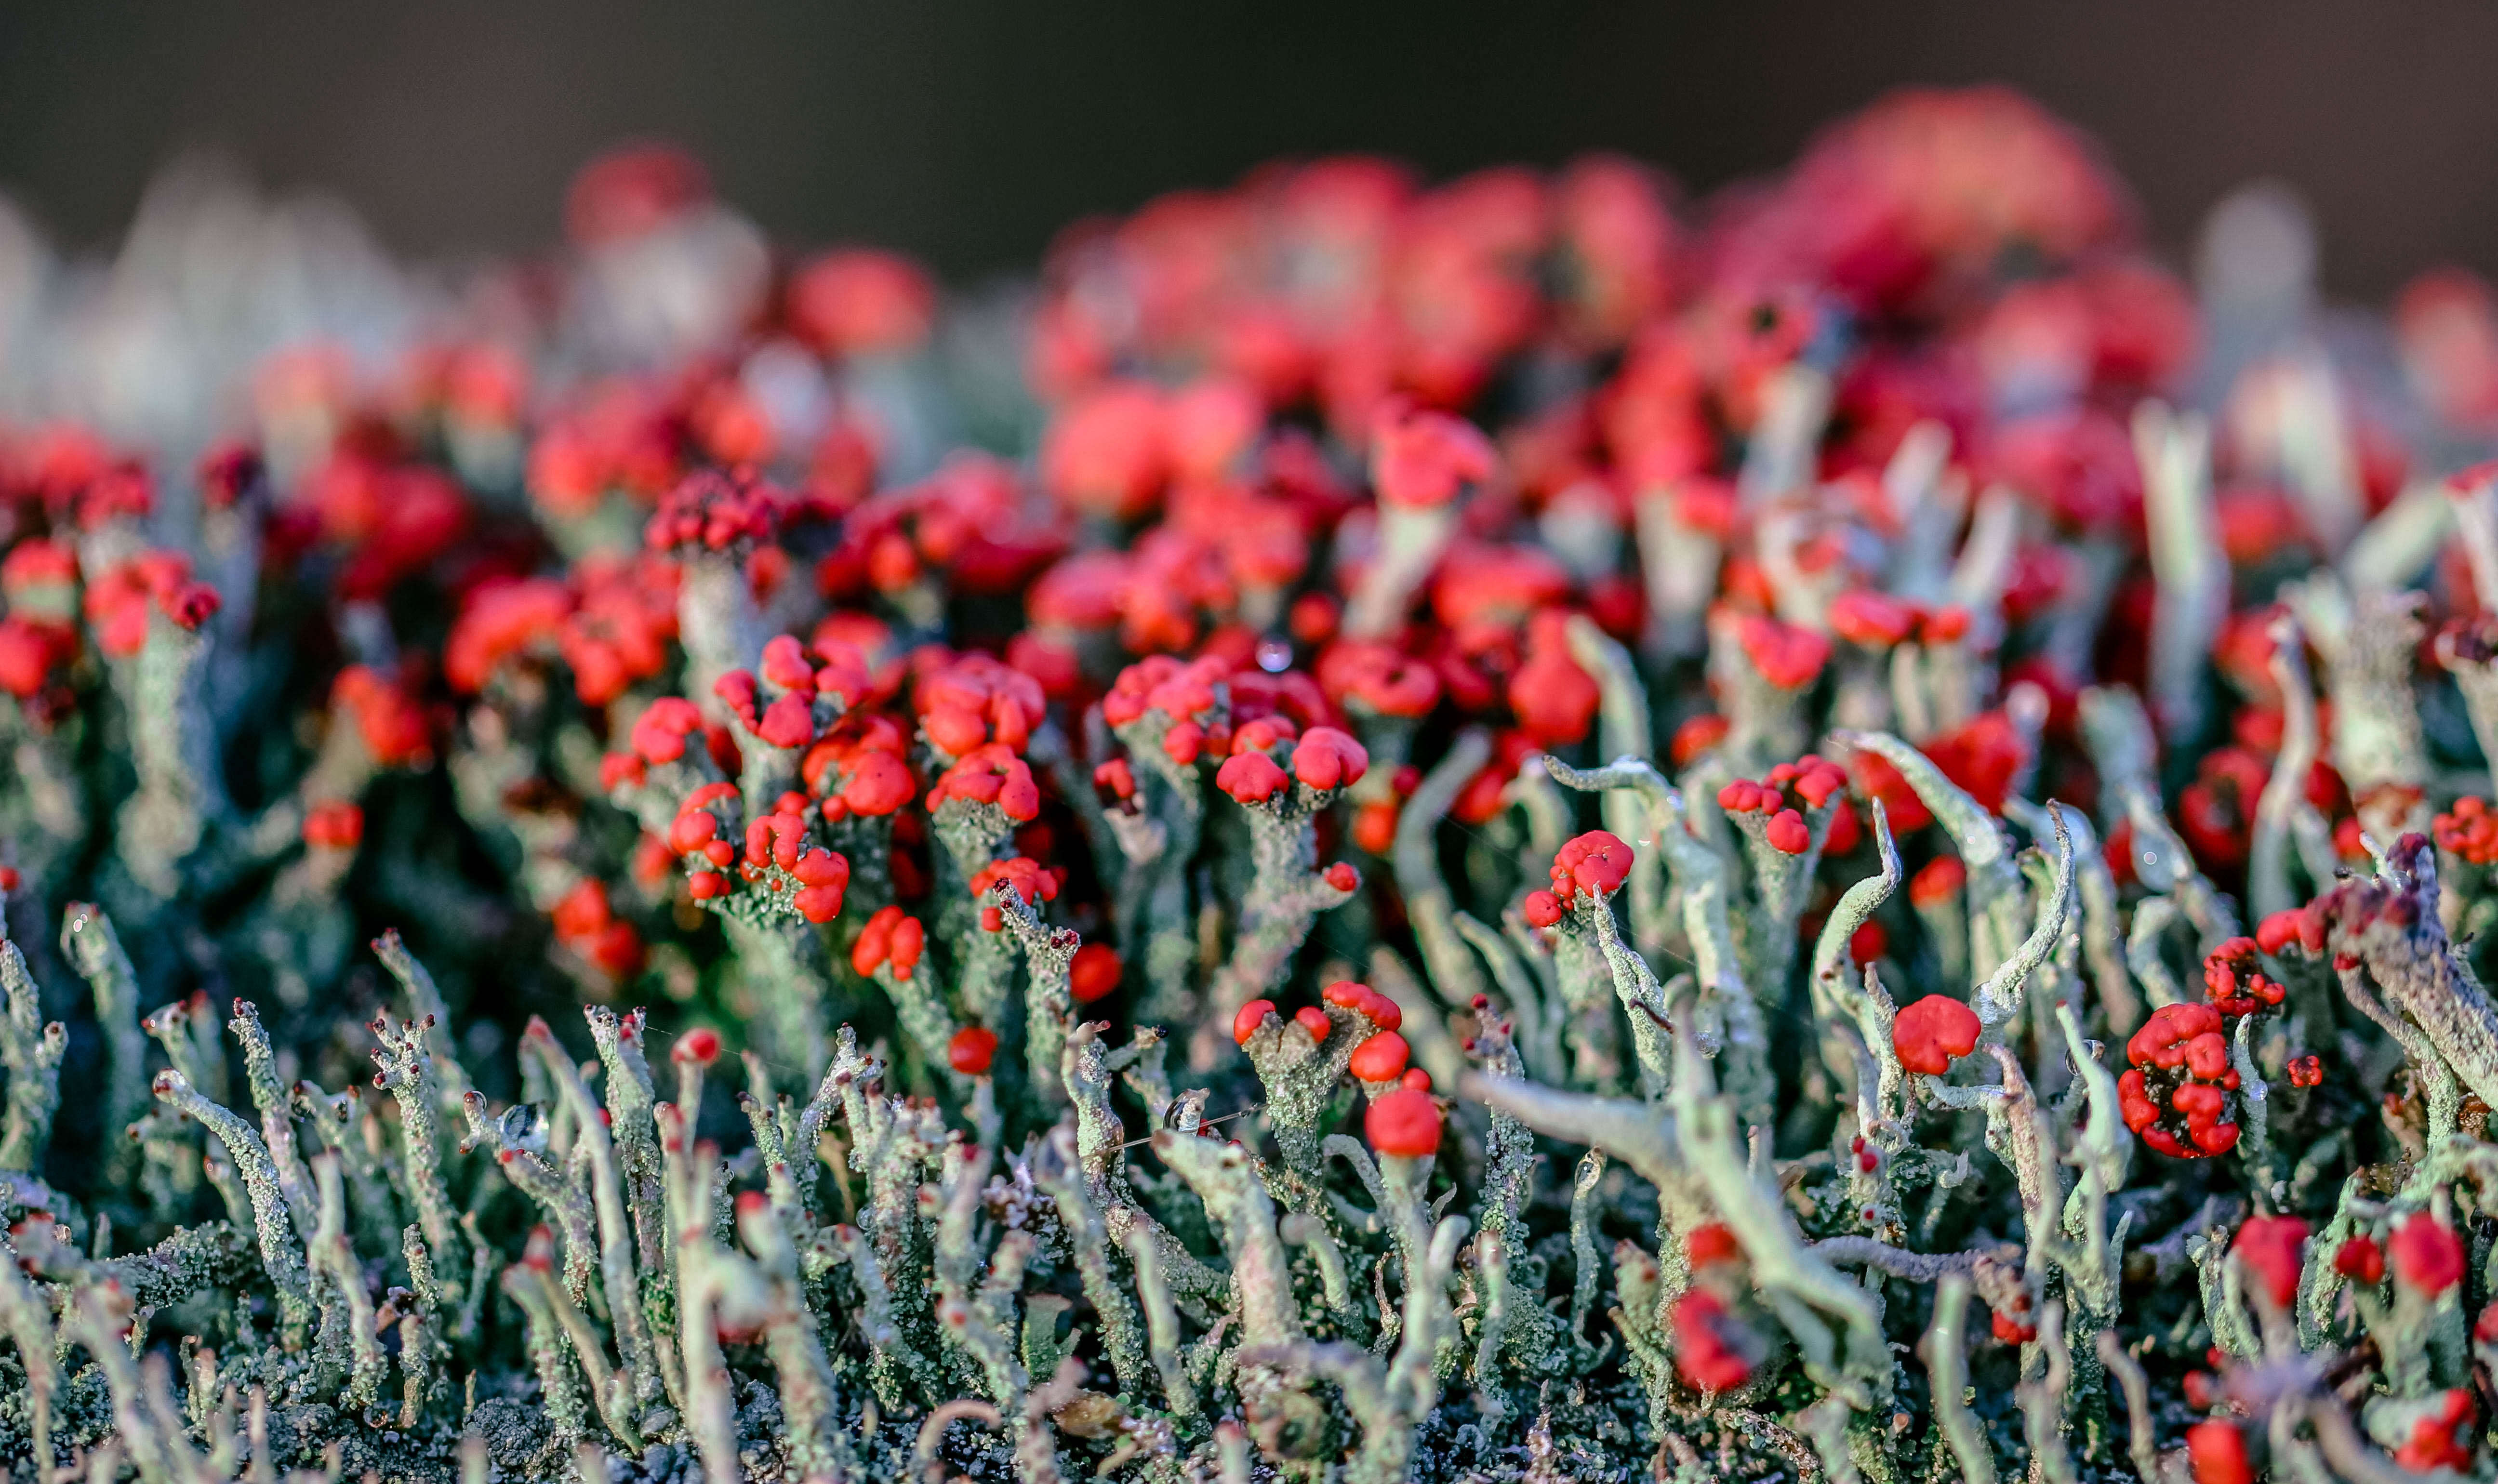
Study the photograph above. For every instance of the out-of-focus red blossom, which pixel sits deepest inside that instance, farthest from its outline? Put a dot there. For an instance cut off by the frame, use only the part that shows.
(2217, 1451)
(660, 735)
(1697, 736)
(29, 654)
(970, 1050)
(1984, 756)
(1555, 699)
(631, 191)
(393, 520)
(1923, 191)
(394, 726)
(333, 824)
(586, 921)
(1105, 453)
(2468, 832)
(1487, 792)
(1932, 1032)
(1713, 1350)
(1421, 459)
(2427, 1257)
(2446, 323)
(1784, 656)
(2443, 1440)
(2216, 812)
(1621, 248)
(1379, 677)
(1710, 1243)
(1093, 974)
(1484, 590)
(861, 301)
(119, 601)
(499, 621)
(1870, 619)
(712, 511)
(2273, 1250)
(2361, 1260)
(1160, 683)
(2077, 467)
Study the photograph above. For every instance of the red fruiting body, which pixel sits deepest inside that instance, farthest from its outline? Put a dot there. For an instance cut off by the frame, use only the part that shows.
(1252, 1015)
(1252, 778)
(970, 1050)
(2427, 1258)
(2218, 1452)
(1314, 1021)
(1093, 974)
(991, 775)
(2468, 832)
(1420, 459)
(1540, 908)
(333, 824)
(2010, 1331)
(1786, 656)
(1327, 759)
(2271, 1248)
(1871, 620)
(1931, 1033)
(2306, 1072)
(2361, 1260)
(1710, 1345)
(1364, 1001)
(1787, 833)
(2230, 979)
(2294, 925)
(659, 736)
(699, 1047)
(1380, 1058)
(2176, 1094)
(1708, 1243)
(1596, 863)
(2441, 1440)
(1404, 1123)
(1695, 737)
(1937, 881)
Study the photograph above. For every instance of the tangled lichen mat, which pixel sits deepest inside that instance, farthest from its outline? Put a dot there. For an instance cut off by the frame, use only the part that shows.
(1512, 829)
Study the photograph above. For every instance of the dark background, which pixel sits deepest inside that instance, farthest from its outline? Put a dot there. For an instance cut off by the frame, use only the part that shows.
(968, 132)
